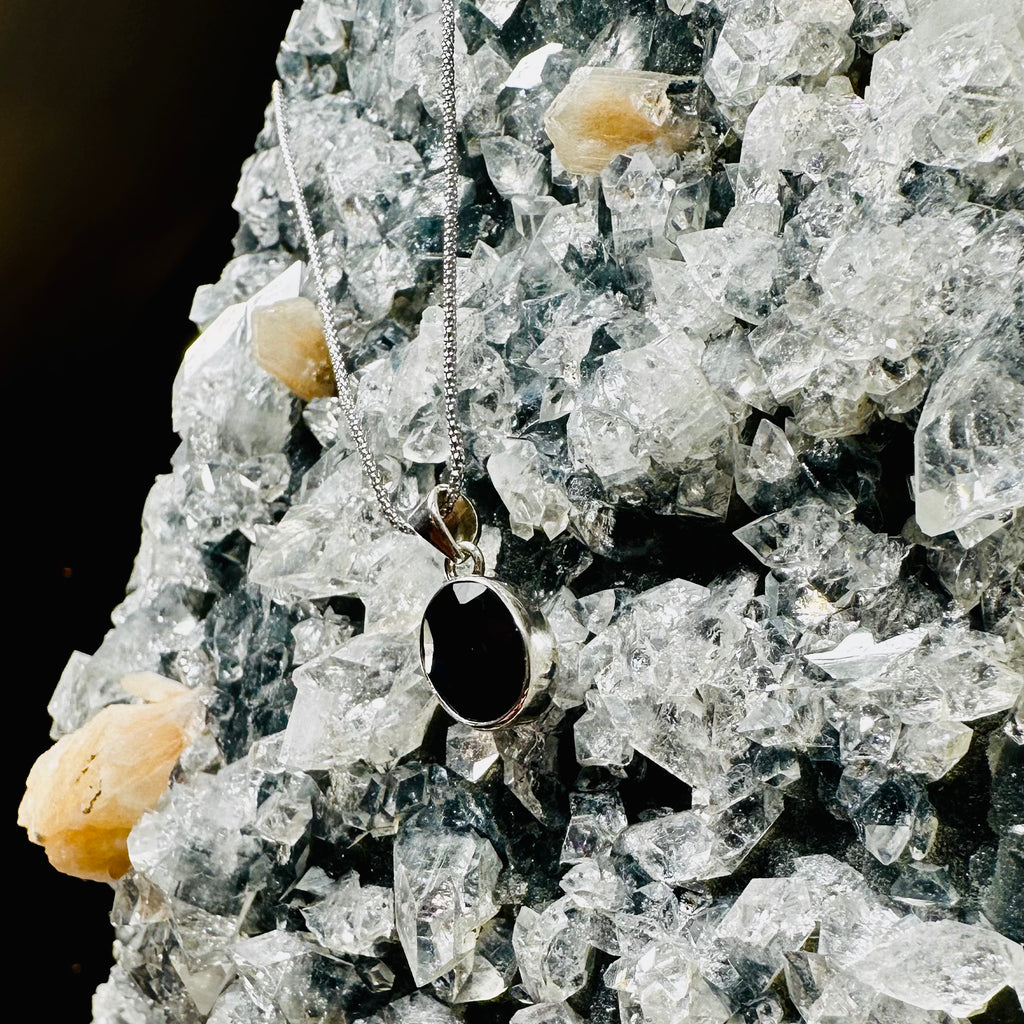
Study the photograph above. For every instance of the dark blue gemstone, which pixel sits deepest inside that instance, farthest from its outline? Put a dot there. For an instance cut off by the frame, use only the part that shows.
(475, 651)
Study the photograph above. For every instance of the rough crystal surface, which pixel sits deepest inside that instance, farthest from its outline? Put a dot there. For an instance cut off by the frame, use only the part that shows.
(444, 892)
(741, 398)
(351, 918)
(763, 44)
(366, 700)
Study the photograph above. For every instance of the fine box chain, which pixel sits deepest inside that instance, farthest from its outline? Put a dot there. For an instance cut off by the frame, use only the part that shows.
(454, 474)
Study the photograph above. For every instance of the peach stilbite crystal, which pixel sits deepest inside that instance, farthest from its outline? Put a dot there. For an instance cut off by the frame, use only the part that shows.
(603, 112)
(288, 342)
(85, 793)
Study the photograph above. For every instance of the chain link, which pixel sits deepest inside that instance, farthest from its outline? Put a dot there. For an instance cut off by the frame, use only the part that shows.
(454, 474)
(455, 470)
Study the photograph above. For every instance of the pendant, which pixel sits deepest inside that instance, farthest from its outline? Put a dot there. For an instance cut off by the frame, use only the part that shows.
(487, 656)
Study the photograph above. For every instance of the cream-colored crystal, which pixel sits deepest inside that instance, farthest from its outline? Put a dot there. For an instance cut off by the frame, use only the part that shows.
(85, 793)
(288, 342)
(602, 112)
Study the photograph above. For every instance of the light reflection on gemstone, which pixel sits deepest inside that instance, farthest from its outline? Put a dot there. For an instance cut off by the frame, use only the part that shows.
(475, 652)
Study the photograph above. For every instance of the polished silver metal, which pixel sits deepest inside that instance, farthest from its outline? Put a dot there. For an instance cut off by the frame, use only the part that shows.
(456, 468)
(454, 474)
(540, 658)
(446, 518)
(446, 531)
(466, 552)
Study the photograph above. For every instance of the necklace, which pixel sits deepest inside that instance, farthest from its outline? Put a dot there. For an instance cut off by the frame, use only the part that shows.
(485, 653)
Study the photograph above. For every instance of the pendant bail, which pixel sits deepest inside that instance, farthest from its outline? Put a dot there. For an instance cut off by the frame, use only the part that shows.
(451, 534)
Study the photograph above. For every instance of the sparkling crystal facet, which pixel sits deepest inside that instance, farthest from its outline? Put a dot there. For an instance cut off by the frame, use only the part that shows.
(770, 268)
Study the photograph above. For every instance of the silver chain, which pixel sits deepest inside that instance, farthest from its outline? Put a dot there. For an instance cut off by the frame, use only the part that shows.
(455, 470)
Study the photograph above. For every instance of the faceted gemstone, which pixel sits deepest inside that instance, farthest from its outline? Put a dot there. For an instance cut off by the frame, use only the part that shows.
(474, 650)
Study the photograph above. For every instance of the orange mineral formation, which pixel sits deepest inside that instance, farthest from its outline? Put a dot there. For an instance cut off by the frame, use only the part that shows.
(603, 112)
(288, 342)
(85, 793)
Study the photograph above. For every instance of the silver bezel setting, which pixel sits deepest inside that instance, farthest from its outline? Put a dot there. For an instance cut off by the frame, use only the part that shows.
(537, 643)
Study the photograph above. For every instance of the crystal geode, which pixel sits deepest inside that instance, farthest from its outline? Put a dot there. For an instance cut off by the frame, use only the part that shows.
(744, 414)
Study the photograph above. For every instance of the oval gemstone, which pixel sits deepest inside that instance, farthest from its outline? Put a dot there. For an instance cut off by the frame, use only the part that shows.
(474, 651)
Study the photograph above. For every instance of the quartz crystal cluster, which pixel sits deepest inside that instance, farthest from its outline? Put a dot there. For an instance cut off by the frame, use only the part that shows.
(743, 401)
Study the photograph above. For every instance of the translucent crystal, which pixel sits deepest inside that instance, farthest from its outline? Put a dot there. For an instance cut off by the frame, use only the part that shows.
(891, 814)
(595, 823)
(444, 884)
(201, 957)
(771, 916)
(931, 749)
(769, 476)
(926, 94)
(735, 267)
(415, 416)
(963, 676)
(396, 579)
(471, 752)
(523, 478)
(940, 966)
(857, 655)
(287, 975)
(223, 401)
(650, 203)
(529, 752)
(664, 981)
(514, 169)
(691, 845)
(528, 72)
(821, 128)
(878, 22)
(683, 303)
(351, 918)
(313, 553)
(852, 918)
(672, 675)
(319, 634)
(314, 46)
(546, 1013)
(645, 412)
(367, 700)
(236, 1006)
(567, 620)
(119, 999)
(137, 644)
(923, 886)
(826, 551)
(418, 1008)
(970, 439)
(764, 44)
(205, 842)
(558, 358)
(241, 278)
(552, 950)
(598, 741)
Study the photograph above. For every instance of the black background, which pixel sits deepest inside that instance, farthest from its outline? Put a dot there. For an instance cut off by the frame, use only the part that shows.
(123, 124)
